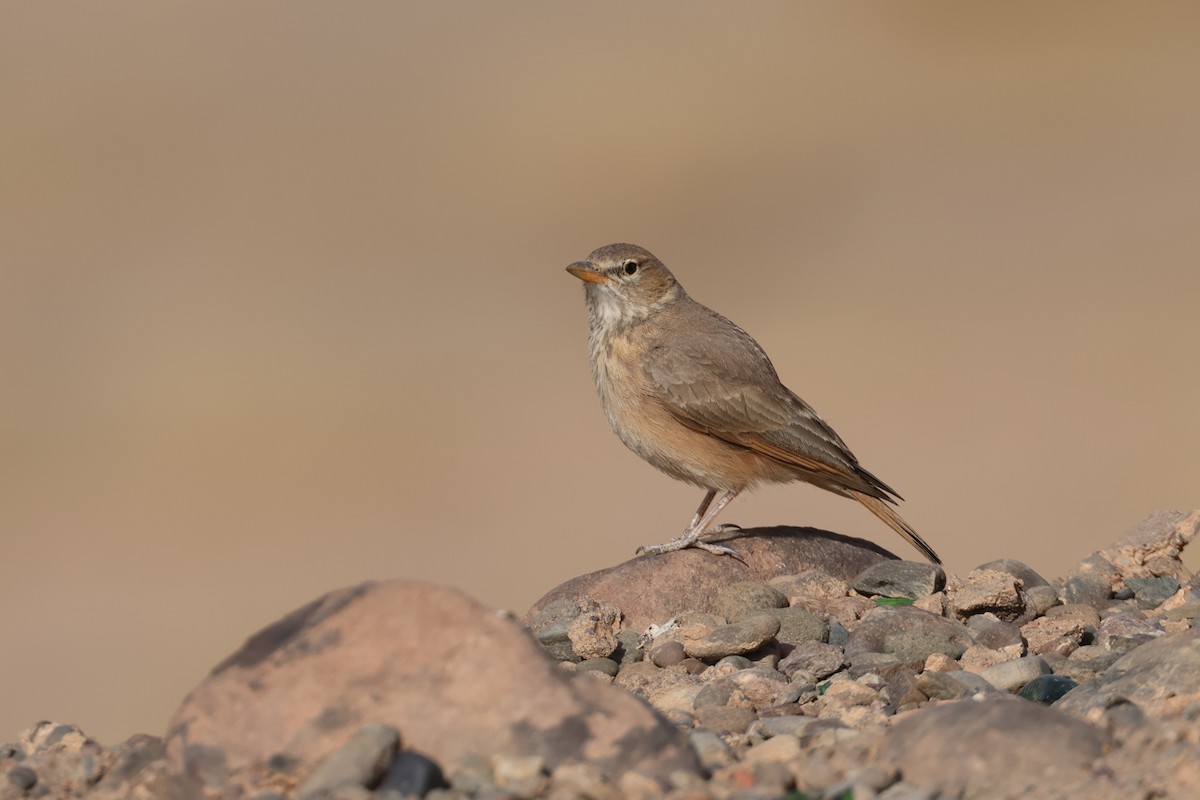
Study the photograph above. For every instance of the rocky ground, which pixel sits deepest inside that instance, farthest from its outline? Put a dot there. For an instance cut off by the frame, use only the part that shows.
(817, 667)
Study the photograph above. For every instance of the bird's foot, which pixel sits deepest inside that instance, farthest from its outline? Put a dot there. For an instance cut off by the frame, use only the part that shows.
(692, 539)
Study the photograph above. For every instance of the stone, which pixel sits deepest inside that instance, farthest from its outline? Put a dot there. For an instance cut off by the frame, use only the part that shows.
(798, 625)
(410, 774)
(1123, 632)
(1010, 676)
(593, 633)
(362, 761)
(739, 600)
(1151, 548)
(912, 579)
(812, 584)
(667, 654)
(735, 638)
(393, 653)
(1018, 569)
(1041, 599)
(1152, 592)
(603, 665)
(784, 747)
(1058, 634)
(652, 588)
(711, 749)
(523, 776)
(988, 591)
(725, 719)
(909, 634)
(1047, 688)
(1162, 676)
(818, 659)
(996, 747)
(1090, 583)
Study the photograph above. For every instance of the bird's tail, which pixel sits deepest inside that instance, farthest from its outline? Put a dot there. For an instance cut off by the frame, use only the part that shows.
(886, 513)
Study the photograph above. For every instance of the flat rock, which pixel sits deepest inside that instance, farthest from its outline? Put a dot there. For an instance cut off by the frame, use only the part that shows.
(733, 639)
(912, 579)
(653, 588)
(1161, 676)
(1018, 569)
(408, 656)
(996, 747)
(908, 633)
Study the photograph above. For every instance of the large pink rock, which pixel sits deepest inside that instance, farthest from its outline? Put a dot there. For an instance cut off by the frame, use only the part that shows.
(452, 676)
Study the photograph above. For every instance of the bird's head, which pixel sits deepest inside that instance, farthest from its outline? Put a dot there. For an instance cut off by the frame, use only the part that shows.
(625, 283)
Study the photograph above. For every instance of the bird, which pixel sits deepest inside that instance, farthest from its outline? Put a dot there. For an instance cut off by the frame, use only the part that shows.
(697, 397)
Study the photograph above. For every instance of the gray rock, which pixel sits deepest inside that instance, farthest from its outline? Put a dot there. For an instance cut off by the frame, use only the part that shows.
(410, 774)
(818, 659)
(1160, 675)
(715, 693)
(1090, 583)
(837, 633)
(1009, 676)
(1041, 599)
(725, 719)
(994, 633)
(22, 777)
(1047, 688)
(940, 686)
(605, 665)
(913, 579)
(790, 725)
(1123, 632)
(630, 648)
(739, 600)
(1017, 569)
(667, 654)
(908, 633)
(798, 625)
(362, 761)
(1152, 592)
(553, 637)
(995, 747)
(710, 749)
(735, 638)
(902, 689)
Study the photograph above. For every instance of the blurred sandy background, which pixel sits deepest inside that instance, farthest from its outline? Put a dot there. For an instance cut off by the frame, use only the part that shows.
(282, 301)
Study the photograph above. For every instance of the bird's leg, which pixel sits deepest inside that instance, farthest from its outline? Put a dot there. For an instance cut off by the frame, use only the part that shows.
(707, 512)
(708, 498)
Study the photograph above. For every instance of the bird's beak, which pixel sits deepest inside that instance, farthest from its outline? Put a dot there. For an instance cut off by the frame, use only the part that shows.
(586, 271)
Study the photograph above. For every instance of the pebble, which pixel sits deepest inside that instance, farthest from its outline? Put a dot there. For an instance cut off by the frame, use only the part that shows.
(725, 719)
(1018, 569)
(733, 639)
(605, 665)
(410, 774)
(1152, 592)
(912, 579)
(782, 747)
(523, 776)
(739, 600)
(22, 777)
(1047, 688)
(362, 761)
(667, 654)
(711, 749)
(1041, 598)
(799, 625)
(1123, 632)
(909, 634)
(818, 659)
(1012, 675)
(986, 590)
(1090, 583)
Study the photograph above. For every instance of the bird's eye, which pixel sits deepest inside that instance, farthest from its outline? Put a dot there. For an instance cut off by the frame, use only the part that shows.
(630, 266)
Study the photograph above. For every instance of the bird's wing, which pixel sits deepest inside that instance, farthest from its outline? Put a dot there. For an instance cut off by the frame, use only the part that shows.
(736, 396)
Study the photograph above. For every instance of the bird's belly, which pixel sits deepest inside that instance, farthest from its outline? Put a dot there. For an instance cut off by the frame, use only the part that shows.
(650, 430)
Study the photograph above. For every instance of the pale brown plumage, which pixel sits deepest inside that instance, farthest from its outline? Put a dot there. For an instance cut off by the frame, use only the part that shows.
(696, 396)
